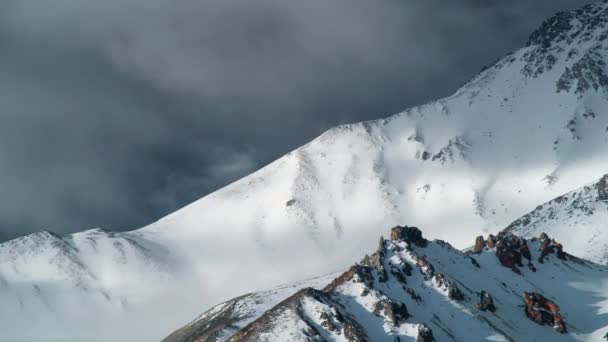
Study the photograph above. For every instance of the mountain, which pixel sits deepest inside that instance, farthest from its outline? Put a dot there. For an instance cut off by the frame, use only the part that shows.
(225, 319)
(506, 289)
(525, 130)
(579, 217)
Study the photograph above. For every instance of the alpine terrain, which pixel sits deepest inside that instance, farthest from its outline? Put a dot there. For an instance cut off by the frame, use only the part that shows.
(505, 288)
(526, 130)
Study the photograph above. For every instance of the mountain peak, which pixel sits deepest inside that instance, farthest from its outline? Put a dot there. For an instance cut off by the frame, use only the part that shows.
(577, 40)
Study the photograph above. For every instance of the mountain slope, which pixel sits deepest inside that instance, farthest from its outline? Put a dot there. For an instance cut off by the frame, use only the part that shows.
(579, 217)
(510, 289)
(529, 128)
(225, 319)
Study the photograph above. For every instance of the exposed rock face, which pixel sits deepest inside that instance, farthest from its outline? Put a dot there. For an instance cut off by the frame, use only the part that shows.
(486, 302)
(543, 311)
(408, 234)
(508, 252)
(491, 241)
(425, 334)
(356, 273)
(602, 189)
(334, 320)
(394, 312)
(550, 246)
(479, 244)
(453, 291)
(376, 261)
(511, 250)
(210, 329)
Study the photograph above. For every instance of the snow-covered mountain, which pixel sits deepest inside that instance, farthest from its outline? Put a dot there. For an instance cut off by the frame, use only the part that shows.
(579, 217)
(506, 289)
(225, 319)
(527, 129)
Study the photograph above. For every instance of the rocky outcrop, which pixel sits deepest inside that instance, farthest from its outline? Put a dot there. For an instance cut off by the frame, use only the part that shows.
(449, 286)
(486, 302)
(512, 251)
(394, 312)
(550, 246)
(409, 234)
(543, 311)
(376, 261)
(602, 189)
(425, 334)
(480, 243)
(356, 273)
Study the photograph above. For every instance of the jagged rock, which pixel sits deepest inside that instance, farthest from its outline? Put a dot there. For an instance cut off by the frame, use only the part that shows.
(543, 311)
(509, 255)
(395, 312)
(479, 244)
(549, 246)
(491, 241)
(425, 267)
(409, 235)
(356, 273)
(486, 302)
(602, 189)
(559, 250)
(425, 334)
(376, 261)
(453, 290)
(543, 236)
(328, 323)
(354, 333)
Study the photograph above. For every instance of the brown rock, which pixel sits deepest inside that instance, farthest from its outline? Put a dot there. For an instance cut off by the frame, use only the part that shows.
(543, 311)
(508, 256)
(479, 244)
(491, 241)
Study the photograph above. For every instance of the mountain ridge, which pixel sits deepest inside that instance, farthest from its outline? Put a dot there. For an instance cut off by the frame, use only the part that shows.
(526, 130)
(414, 289)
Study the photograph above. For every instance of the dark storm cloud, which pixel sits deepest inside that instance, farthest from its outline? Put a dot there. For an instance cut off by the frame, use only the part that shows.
(114, 113)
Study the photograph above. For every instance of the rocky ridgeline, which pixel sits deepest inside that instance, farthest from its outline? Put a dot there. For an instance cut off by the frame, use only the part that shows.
(400, 283)
(512, 251)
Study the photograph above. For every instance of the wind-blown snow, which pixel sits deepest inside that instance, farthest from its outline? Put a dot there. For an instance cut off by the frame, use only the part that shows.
(524, 131)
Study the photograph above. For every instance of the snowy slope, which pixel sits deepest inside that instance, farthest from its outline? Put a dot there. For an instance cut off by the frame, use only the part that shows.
(411, 285)
(225, 319)
(579, 217)
(529, 128)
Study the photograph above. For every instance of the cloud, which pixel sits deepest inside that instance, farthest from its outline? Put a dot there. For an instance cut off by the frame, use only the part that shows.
(115, 113)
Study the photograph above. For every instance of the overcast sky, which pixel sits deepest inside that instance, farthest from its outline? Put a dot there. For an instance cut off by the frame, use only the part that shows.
(114, 113)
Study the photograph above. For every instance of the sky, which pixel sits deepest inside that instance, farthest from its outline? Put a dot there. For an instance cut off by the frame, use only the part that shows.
(115, 113)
